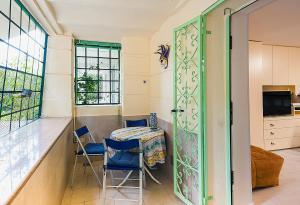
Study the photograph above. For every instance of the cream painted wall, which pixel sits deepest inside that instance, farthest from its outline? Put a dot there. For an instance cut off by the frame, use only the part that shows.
(135, 75)
(161, 80)
(57, 99)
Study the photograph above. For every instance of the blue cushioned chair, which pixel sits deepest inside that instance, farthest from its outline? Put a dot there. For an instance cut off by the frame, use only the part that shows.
(87, 146)
(123, 158)
(136, 123)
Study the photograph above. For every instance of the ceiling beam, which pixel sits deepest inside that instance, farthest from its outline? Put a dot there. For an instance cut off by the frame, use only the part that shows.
(41, 10)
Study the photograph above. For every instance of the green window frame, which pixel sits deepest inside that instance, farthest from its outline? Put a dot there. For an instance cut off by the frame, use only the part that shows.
(97, 73)
(23, 46)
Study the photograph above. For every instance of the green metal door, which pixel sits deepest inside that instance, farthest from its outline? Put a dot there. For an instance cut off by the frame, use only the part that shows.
(188, 117)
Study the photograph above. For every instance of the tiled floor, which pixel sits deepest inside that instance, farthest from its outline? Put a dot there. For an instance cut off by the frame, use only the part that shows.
(288, 192)
(86, 191)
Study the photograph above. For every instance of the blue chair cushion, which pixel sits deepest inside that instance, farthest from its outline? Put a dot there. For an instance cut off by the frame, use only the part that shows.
(93, 149)
(136, 123)
(124, 161)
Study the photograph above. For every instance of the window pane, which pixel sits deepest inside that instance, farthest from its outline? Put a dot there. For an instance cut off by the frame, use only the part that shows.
(24, 42)
(104, 86)
(32, 29)
(22, 62)
(29, 66)
(2, 73)
(81, 62)
(115, 64)
(6, 104)
(3, 53)
(30, 47)
(103, 63)
(104, 98)
(87, 86)
(35, 67)
(10, 80)
(37, 98)
(115, 53)
(4, 6)
(4, 28)
(103, 52)
(92, 63)
(91, 98)
(40, 73)
(25, 21)
(15, 12)
(92, 52)
(23, 118)
(27, 84)
(15, 36)
(80, 51)
(20, 81)
(16, 104)
(104, 75)
(13, 55)
(115, 98)
(115, 75)
(91, 75)
(115, 87)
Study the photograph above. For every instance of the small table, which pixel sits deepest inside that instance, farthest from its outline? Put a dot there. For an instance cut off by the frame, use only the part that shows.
(153, 142)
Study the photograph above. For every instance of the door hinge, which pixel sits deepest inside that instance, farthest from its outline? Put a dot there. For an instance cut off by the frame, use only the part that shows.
(231, 113)
(232, 177)
(206, 199)
(230, 42)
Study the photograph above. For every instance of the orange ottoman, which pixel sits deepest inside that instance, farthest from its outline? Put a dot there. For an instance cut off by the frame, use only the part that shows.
(265, 167)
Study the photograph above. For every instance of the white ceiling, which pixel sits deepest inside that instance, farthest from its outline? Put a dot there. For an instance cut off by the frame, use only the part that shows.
(109, 20)
(277, 23)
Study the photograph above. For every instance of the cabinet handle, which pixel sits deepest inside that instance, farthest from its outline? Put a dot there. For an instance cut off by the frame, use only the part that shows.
(272, 125)
(272, 133)
(272, 143)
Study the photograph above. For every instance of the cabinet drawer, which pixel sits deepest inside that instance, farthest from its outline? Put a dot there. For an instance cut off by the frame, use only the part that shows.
(282, 143)
(281, 133)
(275, 124)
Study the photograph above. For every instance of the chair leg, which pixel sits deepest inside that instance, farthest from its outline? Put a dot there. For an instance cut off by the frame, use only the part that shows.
(73, 174)
(144, 179)
(141, 187)
(95, 173)
(104, 187)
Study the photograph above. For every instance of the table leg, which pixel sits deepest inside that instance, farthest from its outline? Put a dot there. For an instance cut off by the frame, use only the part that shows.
(151, 176)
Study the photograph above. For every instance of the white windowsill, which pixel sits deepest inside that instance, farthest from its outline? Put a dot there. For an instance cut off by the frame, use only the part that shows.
(22, 151)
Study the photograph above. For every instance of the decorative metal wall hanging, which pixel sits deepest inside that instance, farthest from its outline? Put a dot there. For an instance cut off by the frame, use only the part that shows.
(163, 51)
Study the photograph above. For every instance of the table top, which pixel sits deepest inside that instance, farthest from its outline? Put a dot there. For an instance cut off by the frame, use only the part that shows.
(142, 133)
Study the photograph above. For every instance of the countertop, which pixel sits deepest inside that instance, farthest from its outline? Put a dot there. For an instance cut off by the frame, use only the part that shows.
(22, 151)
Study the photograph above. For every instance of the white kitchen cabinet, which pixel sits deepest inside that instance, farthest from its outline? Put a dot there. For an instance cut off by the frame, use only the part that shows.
(267, 65)
(255, 94)
(294, 66)
(280, 65)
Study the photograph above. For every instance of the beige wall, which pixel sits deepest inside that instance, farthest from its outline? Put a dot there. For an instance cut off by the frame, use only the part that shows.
(135, 76)
(161, 80)
(57, 99)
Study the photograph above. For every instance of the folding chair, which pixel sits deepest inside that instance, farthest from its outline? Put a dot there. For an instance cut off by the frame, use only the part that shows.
(136, 123)
(91, 148)
(124, 159)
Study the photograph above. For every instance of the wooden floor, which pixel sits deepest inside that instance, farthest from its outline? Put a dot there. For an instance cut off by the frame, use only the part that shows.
(288, 192)
(86, 191)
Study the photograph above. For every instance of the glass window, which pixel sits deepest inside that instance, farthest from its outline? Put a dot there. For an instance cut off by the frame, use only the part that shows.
(97, 76)
(20, 71)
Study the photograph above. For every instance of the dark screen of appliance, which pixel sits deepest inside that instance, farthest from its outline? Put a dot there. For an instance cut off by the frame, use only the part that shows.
(277, 103)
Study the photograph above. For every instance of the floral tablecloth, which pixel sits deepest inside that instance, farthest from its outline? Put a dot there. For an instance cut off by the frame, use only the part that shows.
(153, 141)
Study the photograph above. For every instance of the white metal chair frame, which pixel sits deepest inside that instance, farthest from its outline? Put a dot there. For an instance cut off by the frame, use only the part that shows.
(81, 146)
(141, 178)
